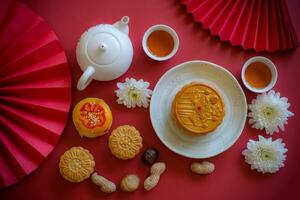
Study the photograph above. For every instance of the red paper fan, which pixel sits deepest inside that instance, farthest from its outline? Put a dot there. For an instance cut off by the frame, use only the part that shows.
(35, 91)
(262, 25)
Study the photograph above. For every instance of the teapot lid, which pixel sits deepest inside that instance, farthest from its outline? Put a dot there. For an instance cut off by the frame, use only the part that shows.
(103, 48)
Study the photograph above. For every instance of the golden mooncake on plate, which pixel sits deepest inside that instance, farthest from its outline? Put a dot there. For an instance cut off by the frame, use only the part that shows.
(92, 117)
(198, 108)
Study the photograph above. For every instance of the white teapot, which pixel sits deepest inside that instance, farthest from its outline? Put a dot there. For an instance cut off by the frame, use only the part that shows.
(104, 52)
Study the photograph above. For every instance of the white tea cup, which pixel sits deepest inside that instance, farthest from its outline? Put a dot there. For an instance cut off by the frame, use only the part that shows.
(169, 30)
(271, 67)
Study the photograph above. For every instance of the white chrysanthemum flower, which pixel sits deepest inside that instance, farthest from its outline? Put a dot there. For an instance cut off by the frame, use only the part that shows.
(133, 92)
(269, 111)
(265, 155)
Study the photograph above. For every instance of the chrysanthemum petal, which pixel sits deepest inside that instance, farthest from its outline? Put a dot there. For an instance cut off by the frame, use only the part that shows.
(265, 155)
(269, 111)
(133, 93)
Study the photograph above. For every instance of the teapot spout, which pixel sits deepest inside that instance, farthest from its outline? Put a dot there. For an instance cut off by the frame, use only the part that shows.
(122, 25)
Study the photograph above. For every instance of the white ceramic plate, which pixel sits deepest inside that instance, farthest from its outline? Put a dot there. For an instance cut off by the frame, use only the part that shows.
(191, 145)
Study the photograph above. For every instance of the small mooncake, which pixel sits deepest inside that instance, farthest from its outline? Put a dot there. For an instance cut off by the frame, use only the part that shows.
(92, 117)
(125, 142)
(76, 164)
(198, 108)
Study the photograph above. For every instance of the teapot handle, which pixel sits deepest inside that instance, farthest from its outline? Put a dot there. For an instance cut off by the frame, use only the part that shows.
(85, 78)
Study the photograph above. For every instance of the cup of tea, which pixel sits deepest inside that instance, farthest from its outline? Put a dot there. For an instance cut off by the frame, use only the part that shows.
(160, 42)
(259, 74)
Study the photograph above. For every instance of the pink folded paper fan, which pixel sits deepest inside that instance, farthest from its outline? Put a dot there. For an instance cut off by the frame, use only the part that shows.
(35, 91)
(262, 25)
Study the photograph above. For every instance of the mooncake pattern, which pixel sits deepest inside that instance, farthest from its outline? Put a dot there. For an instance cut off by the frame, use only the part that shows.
(198, 108)
(125, 142)
(76, 164)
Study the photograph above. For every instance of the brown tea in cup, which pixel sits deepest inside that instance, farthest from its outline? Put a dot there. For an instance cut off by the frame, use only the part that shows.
(258, 75)
(160, 43)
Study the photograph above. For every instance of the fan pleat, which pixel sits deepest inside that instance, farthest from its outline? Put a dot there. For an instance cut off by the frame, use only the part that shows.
(46, 104)
(230, 21)
(289, 29)
(11, 170)
(7, 175)
(41, 132)
(55, 84)
(47, 135)
(201, 10)
(34, 55)
(252, 26)
(35, 91)
(287, 36)
(38, 93)
(241, 29)
(281, 35)
(5, 10)
(54, 123)
(262, 25)
(52, 77)
(17, 22)
(273, 35)
(17, 154)
(210, 15)
(192, 5)
(26, 141)
(36, 37)
(260, 41)
(238, 31)
(220, 18)
(290, 25)
(185, 1)
(22, 68)
(50, 121)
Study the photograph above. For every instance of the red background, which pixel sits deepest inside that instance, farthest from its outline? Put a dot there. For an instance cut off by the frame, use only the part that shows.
(232, 179)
